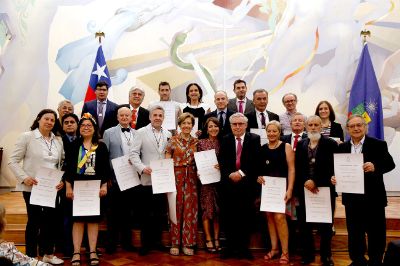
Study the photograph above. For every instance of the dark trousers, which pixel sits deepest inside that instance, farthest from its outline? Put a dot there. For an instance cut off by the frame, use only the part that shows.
(367, 219)
(306, 233)
(39, 228)
(119, 216)
(152, 214)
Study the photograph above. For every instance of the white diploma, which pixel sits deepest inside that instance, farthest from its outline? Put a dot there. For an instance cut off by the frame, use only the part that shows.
(205, 163)
(262, 133)
(169, 122)
(86, 198)
(125, 173)
(318, 206)
(45, 192)
(172, 206)
(349, 173)
(162, 176)
(273, 195)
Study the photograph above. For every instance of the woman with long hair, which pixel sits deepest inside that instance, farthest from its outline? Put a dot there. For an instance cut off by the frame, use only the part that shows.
(38, 148)
(329, 127)
(88, 159)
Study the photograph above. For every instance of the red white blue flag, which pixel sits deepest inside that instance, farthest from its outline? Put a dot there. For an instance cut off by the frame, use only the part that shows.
(99, 73)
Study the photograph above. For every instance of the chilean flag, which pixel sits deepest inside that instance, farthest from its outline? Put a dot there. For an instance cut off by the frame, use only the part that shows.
(99, 73)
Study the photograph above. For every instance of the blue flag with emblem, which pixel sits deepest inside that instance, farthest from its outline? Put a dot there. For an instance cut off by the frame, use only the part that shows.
(365, 96)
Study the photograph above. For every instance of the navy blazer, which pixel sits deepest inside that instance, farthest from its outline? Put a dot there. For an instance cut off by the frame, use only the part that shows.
(110, 116)
(288, 138)
(252, 117)
(224, 130)
(143, 116)
(324, 168)
(376, 152)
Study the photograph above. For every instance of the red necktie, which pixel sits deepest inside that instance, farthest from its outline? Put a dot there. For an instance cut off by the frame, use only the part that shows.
(296, 139)
(133, 122)
(241, 107)
(238, 153)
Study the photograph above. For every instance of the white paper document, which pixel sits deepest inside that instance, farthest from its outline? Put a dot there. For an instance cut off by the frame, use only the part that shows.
(169, 115)
(349, 172)
(125, 173)
(45, 192)
(205, 163)
(162, 176)
(262, 133)
(172, 206)
(273, 195)
(86, 198)
(318, 206)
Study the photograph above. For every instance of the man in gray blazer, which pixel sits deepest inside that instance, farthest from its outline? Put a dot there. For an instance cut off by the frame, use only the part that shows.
(149, 145)
(119, 141)
(240, 103)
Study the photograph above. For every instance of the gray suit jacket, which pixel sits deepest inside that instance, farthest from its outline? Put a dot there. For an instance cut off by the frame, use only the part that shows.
(113, 141)
(144, 150)
(233, 107)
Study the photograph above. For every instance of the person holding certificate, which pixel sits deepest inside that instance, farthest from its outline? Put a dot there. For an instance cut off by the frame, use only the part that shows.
(365, 213)
(86, 160)
(38, 148)
(195, 106)
(208, 193)
(278, 161)
(314, 169)
(181, 149)
(329, 127)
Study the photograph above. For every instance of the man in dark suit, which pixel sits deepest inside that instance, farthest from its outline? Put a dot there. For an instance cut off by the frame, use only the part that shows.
(241, 103)
(238, 164)
(365, 213)
(297, 125)
(260, 116)
(140, 115)
(102, 109)
(119, 140)
(314, 169)
(222, 113)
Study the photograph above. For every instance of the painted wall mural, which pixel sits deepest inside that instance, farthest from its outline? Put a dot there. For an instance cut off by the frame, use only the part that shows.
(311, 48)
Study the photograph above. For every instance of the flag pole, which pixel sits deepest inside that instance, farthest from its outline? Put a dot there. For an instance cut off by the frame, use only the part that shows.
(100, 34)
(365, 33)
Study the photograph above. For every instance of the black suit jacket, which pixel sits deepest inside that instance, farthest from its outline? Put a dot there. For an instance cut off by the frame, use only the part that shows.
(224, 130)
(110, 115)
(288, 138)
(324, 168)
(247, 109)
(246, 187)
(376, 152)
(336, 131)
(143, 116)
(252, 117)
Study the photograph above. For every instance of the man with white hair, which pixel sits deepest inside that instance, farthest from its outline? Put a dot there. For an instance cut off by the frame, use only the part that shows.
(139, 115)
(314, 169)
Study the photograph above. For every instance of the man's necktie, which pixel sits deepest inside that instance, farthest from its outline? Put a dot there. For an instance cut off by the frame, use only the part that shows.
(221, 118)
(100, 116)
(133, 122)
(296, 139)
(262, 120)
(238, 152)
(125, 129)
(241, 106)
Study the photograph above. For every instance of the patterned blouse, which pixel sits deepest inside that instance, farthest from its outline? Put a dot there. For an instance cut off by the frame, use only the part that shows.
(10, 251)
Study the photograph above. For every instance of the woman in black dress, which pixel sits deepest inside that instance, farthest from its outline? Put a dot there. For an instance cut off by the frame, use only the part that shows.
(86, 160)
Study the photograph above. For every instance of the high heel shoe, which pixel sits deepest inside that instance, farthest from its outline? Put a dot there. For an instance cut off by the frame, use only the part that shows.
(76, 262)
(217, 245)
(210, 246)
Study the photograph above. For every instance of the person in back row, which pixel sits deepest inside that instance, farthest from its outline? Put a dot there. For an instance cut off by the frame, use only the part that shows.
(240, 103)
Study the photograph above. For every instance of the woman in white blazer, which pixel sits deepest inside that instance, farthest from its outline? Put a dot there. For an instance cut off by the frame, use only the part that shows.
(38, 148)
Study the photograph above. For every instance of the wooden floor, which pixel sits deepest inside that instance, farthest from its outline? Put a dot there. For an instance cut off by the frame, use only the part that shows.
(16, 213)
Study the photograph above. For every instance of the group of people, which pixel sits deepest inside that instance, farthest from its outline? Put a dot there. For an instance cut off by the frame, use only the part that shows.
(298, 148)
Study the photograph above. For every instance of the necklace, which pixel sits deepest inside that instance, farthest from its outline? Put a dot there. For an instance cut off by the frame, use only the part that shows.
(128, 141)
(276, 145)
(159, 139)
(48, 145)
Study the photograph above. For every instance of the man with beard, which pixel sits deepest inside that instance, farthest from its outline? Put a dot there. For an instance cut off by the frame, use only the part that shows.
(314, 169)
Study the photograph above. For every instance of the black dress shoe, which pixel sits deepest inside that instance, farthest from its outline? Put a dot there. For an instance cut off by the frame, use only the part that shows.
(143, 251)
(245, 254)
(327, 261)
(307, 260)
(128, 248)
(227, 254)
